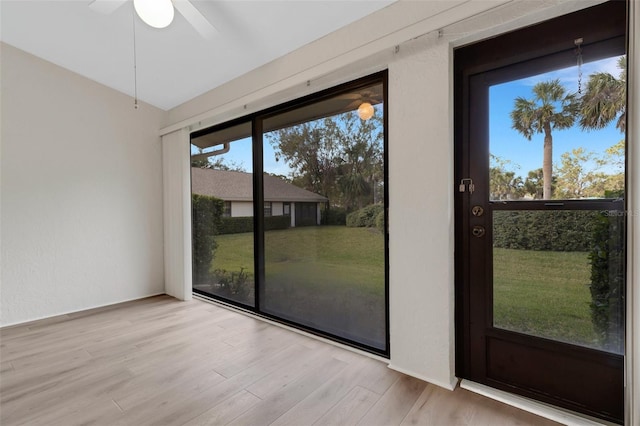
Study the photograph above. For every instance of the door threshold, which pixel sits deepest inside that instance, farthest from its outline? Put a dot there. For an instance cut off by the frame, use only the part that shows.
(541, 409)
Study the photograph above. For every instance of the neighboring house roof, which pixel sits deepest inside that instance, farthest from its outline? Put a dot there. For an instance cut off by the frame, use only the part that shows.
(238, 186)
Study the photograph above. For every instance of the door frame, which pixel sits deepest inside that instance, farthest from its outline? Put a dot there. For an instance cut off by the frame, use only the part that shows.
(600, 22)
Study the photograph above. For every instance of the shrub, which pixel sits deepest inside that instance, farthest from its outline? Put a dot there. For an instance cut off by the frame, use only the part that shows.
(238, 225)
(544, 230)
(380, 221)
(334, 216)
(206, 219)
(277, 222)
(234, 283)
(365, 217)
(608, 280)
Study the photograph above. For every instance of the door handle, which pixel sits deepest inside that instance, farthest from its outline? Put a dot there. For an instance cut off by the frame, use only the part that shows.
(478, 231)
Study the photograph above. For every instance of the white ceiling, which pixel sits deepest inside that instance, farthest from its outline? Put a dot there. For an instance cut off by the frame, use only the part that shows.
(174, 64)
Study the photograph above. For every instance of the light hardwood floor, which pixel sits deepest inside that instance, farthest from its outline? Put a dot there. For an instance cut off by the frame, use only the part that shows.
(159, 361)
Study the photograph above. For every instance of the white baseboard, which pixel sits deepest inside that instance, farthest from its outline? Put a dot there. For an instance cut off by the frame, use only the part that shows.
(541, 409)
(447, 386)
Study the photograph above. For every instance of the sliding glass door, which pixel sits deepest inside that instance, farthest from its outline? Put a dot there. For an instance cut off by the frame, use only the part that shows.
(222, 213)
(302, 235)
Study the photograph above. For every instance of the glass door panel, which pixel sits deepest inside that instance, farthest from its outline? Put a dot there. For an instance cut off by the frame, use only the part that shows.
(559, 274)
(222, 212)
(325, 239)
(556, 178)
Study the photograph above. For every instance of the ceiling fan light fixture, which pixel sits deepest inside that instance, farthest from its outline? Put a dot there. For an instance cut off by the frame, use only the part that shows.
(155, 13)
(365, 111)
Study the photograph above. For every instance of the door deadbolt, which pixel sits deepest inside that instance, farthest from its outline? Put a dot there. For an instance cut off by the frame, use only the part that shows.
(477, 211)
(478, 231)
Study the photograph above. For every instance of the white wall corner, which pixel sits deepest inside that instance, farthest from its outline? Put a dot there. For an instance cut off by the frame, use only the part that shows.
(176, 177)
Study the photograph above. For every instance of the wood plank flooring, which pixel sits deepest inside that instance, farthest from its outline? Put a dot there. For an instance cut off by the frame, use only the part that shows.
(159, 361)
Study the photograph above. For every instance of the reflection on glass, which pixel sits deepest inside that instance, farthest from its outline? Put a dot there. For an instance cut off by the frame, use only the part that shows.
(324, 244)
(558, 135)
(222, 212)
(560, 275)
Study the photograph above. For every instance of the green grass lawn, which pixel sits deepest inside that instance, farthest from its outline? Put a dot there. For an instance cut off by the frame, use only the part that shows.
(326, 277)
(336, 254)
(544, 293)
(334, 275)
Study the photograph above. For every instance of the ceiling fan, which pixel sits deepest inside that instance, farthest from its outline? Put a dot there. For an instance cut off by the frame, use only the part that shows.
(159, 13)
(364, 100)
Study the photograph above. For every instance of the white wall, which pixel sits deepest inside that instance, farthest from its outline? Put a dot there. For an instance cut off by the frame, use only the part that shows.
(276, 208)
(241, 208)
(421, 213)
(416, 46)
(81, 185)
(176, 184)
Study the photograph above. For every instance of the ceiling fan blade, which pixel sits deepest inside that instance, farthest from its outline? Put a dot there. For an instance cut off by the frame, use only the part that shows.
(195, 18)
(106, 6)
(353, 105)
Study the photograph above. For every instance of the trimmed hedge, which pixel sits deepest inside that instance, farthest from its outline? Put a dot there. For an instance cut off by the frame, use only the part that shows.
(277, 222)
(206, 215)
(608, 282)
(365, 217)
(334, 216)
(238, 225)
(380, 221)
(545, 230)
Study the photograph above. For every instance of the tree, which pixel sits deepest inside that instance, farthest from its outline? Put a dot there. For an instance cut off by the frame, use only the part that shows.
(339, 157)
(361, 169)
(533, 184)
(504, 184)
(576, 180)
(552, 108)
(605, 100)
(311, 153)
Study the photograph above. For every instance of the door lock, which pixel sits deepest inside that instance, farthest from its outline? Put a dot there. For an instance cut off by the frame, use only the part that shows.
(464, 183)
(478, 231)
(477, 211)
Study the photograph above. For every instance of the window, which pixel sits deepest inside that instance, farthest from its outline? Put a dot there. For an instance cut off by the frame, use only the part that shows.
(227, 209)
(326, 155)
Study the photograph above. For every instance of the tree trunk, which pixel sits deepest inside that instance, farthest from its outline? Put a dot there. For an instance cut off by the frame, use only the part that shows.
(547, 163)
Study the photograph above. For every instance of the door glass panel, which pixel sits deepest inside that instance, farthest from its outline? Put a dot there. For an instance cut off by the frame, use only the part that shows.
(325, 242)
(222, 212)
(569, 121)
(560, 275)
(557, 141)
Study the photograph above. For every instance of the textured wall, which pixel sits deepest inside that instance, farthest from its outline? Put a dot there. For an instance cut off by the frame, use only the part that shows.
(81, 187)
(421, 213)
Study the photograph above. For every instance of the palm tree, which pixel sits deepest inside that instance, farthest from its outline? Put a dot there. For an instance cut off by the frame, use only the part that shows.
(552, 108)
(605, 99)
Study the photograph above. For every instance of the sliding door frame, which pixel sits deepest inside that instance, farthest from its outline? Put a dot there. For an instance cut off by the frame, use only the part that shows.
(257, 120)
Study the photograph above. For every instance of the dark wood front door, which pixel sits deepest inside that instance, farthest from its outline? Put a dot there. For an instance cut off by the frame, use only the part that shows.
(540, 236)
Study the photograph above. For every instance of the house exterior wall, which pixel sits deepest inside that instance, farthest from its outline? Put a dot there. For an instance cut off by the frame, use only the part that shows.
(81, 187)
(245, 208)
(241, 208)
(276, 208)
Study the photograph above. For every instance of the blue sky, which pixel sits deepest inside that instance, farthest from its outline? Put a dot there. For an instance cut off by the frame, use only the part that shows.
(526, 155)
(240, 154)
(523, 155)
